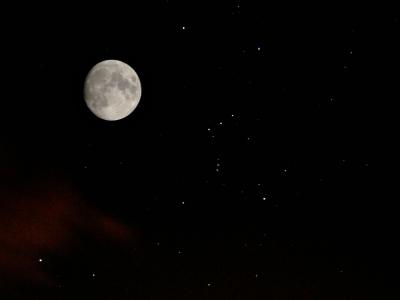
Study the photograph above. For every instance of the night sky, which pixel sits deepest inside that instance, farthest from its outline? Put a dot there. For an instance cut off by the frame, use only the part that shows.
(257, 165)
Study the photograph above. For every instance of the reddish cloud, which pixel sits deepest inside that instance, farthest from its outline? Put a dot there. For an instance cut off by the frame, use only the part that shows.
(46, 218)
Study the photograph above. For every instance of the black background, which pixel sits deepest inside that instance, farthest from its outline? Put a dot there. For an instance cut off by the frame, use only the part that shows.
(313, 130)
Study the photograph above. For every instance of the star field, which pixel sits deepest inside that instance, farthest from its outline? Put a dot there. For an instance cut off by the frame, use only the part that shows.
(254, 166)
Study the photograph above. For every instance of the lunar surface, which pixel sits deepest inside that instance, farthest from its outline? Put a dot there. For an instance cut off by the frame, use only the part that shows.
(112, 90)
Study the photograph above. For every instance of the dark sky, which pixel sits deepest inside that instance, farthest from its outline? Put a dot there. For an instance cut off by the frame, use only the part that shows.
(257, 164)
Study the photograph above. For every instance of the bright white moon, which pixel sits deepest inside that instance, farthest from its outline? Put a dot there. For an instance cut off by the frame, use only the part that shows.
(112, 90)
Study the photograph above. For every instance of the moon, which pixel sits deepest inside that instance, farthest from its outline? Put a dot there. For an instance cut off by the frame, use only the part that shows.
(112, 90)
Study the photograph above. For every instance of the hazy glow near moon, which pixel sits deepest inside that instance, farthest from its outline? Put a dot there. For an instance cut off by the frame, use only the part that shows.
(112, 90)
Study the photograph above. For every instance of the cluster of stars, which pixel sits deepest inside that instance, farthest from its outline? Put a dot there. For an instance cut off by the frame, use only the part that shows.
(217, 169)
